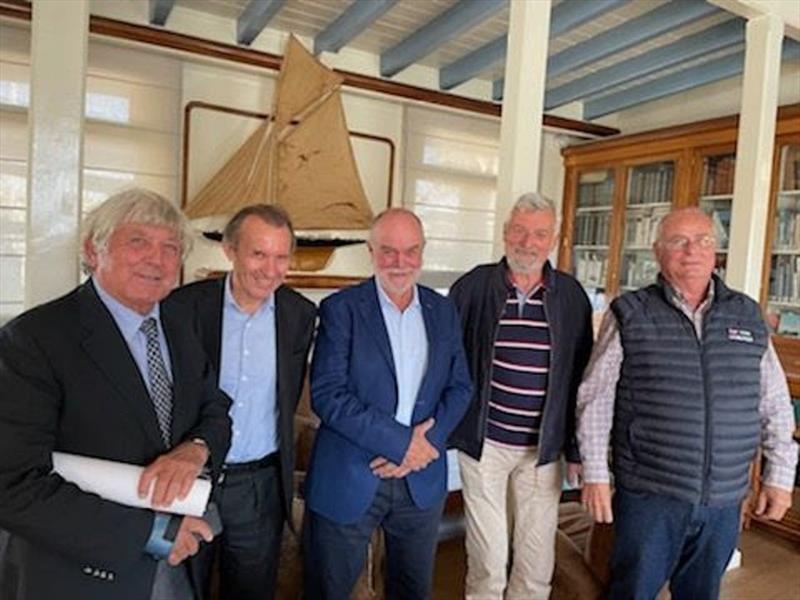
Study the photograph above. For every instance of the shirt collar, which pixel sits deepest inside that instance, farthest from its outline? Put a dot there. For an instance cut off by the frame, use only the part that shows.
(676, 297)
(230, 300)
(385, 301)
(544, 283)
(128, 320)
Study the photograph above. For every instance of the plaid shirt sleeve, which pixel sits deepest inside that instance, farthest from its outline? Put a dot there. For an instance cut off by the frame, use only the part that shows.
(595, 409)
(777, 424)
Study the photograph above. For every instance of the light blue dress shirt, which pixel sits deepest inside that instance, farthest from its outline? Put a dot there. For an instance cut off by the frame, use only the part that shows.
(409, 343)
(248, 374)
(128, 322)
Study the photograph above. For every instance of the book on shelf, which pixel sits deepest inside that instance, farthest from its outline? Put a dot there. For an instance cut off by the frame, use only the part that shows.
(641, 226)
(784, 284)
(718, 174)
(592, 229)
(787, 229)
(722, 226)
(791, 168)
(651, 184)
(590, 268)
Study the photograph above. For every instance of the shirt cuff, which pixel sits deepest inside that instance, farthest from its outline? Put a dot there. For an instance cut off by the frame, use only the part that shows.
(158, 546)
(779, 477)
(595, 471)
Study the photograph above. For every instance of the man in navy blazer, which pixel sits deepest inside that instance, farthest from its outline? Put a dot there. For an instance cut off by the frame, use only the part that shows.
(389, 383)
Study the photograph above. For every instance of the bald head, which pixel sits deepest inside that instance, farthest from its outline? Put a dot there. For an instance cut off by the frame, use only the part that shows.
(685, 249)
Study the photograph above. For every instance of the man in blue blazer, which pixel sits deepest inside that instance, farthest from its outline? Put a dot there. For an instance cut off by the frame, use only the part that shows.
(389, 383)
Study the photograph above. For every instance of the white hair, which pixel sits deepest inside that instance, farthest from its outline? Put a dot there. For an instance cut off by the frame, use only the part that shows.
(534, 202)
(134, 205)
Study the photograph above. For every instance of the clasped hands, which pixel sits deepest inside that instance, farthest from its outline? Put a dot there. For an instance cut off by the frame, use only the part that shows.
(419, 455)
(171, 476)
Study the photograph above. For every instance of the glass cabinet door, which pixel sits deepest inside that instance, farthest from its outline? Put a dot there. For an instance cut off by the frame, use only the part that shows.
(783, 300)
(591, 232)
(648, 199)
(716, 198)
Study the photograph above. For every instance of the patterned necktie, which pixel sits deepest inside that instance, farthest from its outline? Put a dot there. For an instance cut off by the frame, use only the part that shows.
(160, 385)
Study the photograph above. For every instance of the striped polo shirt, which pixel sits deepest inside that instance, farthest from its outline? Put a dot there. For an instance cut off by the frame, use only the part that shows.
(519, 371)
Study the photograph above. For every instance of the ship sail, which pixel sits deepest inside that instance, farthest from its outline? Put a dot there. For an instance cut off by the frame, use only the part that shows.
(301, 159)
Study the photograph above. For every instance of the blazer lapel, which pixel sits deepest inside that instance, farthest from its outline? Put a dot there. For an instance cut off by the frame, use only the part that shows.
(286, 334)
(371, 311)
(107, 348)
(434, 339)
(210, 314)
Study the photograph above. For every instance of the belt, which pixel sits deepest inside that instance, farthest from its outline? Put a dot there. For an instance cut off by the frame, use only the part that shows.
(270, 460)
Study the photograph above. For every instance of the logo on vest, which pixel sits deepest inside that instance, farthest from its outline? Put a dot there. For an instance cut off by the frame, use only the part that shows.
(740, 335)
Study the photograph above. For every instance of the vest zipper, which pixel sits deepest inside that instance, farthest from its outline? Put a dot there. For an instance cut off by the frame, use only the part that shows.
(704, 492)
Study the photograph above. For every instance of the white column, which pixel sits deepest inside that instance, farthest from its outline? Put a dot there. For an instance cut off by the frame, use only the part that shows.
(754, 152)
(59, 39)
(523, 106)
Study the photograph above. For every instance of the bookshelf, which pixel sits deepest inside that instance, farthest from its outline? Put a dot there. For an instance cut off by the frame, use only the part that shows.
(783, 287)
(591, 231)
(648, 198)
(640, 176)
(716, 196)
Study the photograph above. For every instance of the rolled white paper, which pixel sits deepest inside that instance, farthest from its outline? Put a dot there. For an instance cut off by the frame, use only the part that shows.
(119, 482)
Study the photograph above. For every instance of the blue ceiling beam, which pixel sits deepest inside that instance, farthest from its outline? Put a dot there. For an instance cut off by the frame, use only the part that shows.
(680, 81)
(497, 89)
(570, 14)
(663, 19)
(358, 16)
(460, 17)
(159, 11)
(694, 46)
(565, 16)
(254, 18)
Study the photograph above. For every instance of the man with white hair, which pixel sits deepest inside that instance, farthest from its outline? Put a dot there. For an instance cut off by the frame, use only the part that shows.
(685, 385)
(105, 372)
(389, 383)
(528, 335)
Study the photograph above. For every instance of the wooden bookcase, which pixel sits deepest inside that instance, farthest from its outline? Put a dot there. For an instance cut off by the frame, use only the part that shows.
(617, 189)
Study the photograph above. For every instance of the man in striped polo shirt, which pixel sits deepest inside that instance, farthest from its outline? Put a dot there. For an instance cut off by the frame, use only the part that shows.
(527, 335)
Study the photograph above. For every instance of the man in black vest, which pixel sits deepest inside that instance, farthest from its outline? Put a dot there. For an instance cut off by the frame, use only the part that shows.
(686, 384)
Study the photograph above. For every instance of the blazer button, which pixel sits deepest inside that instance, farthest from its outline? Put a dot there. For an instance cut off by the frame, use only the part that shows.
(87, 570)
(110, 576)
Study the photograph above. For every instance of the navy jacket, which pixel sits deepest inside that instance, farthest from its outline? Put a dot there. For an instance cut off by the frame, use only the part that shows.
(480, 297)
(354, 393)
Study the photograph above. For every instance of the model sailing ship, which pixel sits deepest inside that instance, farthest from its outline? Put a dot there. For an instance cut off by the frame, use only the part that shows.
(300, 158)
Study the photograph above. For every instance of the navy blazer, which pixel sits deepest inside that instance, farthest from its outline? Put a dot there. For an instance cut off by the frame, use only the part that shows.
(354, 393)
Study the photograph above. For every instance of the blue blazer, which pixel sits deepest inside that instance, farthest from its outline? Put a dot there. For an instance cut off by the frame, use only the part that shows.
(354, 393)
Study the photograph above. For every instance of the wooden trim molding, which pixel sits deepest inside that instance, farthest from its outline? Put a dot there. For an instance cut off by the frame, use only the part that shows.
(194, 45)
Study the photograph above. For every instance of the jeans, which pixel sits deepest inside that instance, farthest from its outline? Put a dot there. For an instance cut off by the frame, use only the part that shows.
(335, 553)
(660, 539)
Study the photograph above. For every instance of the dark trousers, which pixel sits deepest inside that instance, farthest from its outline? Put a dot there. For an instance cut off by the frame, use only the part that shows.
(335, 554)
(659, 539)
(252, 519)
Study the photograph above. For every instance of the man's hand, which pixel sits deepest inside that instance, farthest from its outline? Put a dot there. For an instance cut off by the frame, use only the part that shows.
(386, 469)
(173, 473)
(773, 502)
(420, 452)
(596, 498)
(187, 541)
(574, 474)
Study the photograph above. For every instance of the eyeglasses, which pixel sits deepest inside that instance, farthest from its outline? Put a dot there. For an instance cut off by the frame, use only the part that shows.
(681, 242)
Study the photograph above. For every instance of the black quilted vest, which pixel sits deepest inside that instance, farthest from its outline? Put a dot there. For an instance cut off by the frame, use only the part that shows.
(686, 422)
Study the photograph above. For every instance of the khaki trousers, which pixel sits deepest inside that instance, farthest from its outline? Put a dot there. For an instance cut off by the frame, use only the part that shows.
(506, 492)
